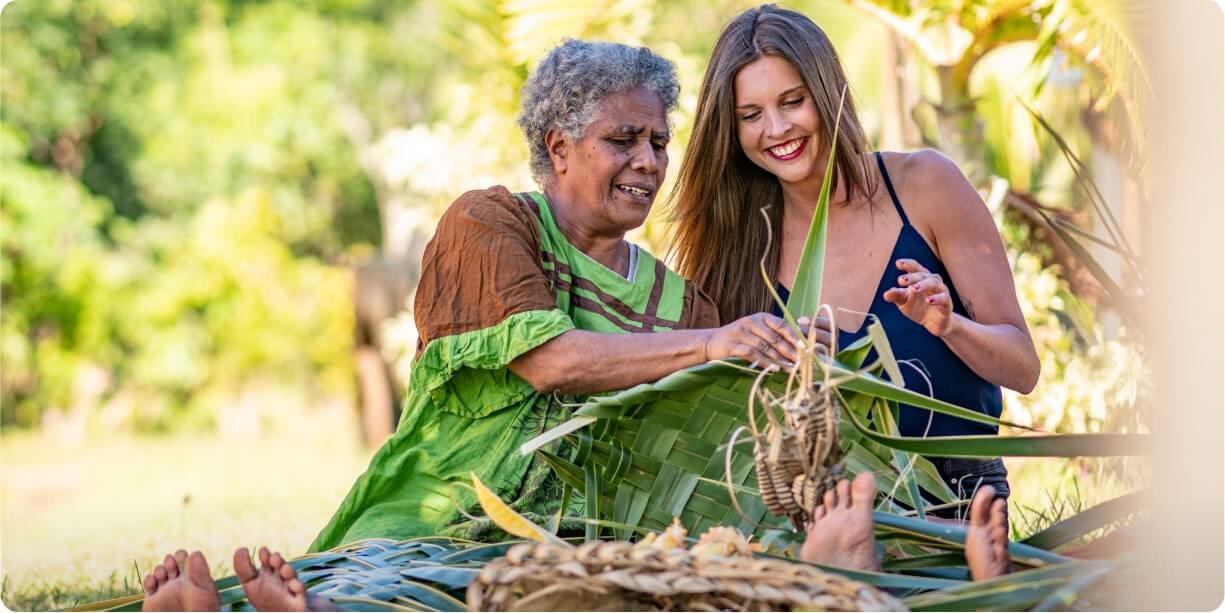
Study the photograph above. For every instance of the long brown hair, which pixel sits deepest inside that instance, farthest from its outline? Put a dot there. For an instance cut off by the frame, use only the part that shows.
(720, 192)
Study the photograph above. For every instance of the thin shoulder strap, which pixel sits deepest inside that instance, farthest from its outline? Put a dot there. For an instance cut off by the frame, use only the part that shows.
(880, 161)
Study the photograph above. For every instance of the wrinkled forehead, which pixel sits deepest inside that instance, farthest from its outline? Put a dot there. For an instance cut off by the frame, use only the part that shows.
(631, 113)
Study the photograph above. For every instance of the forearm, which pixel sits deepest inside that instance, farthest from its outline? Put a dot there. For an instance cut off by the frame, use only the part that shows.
(1000, 353)
(582, 362)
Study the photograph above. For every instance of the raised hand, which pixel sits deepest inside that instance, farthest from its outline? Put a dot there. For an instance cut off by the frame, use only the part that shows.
(922, 296)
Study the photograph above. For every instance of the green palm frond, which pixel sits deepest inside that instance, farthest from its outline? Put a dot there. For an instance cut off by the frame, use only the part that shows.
(429, 574)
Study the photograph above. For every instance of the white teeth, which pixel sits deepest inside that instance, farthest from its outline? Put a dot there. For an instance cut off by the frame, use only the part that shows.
(786, 149)
(635, 191)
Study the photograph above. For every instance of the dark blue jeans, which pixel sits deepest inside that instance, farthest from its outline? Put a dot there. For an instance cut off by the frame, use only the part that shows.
(965, 475)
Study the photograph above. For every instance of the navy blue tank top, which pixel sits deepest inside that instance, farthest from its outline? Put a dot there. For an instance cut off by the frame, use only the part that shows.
(950, 379)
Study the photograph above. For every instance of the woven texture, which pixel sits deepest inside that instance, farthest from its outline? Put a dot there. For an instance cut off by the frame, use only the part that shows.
(661, 452)
(620, 576)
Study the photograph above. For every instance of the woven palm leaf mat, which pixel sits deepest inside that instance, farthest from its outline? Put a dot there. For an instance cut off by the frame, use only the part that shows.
(617, 576)
(658, 451)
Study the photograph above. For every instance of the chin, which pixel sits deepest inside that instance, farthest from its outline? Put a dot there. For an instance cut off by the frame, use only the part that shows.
(789, 174)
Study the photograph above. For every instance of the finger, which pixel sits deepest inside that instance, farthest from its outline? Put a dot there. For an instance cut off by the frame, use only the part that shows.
(772, 355)
(940, 299)
(775, 342)
(927, 286)
(896, 296)
(779, 326)
(910, 265)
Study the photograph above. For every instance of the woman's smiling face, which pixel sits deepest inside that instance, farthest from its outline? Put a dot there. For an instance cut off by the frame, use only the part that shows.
(616, 169)
(776, 120)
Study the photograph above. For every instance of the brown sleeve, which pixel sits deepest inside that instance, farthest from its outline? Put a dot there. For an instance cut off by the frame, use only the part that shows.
(482, 266)
(699, 310)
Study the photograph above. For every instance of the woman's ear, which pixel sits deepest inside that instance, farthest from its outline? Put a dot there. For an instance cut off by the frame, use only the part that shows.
(559, 147)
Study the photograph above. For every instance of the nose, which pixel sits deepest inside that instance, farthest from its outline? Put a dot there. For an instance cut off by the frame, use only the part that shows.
(646, 158)
(777, 124)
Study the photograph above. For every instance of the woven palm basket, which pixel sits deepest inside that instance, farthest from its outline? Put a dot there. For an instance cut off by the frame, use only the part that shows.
(617, 576)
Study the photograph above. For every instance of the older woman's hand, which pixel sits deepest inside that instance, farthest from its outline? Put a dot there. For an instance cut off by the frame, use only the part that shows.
(820, 330)
(762, 339)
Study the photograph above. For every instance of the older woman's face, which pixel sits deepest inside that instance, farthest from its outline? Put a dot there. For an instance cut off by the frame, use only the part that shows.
(615, 170)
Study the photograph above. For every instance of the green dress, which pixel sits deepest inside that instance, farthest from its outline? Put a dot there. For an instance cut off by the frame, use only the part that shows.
(498, 279)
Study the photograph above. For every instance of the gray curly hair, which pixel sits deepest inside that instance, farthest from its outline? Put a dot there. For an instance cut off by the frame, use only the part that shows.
(571, 81)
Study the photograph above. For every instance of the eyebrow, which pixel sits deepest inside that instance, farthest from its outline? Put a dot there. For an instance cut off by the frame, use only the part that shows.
(782, 95)
(636, 130)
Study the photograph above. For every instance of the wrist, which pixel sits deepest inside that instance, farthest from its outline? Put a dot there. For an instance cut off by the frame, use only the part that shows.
(954, 326)
(703, 348)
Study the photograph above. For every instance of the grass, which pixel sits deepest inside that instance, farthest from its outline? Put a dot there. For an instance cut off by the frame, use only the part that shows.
(1048, 490)
(84, 523)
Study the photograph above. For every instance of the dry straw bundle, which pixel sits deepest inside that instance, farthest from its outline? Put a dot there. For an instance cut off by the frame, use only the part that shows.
(619, 576)
(798, 455)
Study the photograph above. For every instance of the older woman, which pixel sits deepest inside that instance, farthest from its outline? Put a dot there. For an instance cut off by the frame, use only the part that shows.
(524, 295)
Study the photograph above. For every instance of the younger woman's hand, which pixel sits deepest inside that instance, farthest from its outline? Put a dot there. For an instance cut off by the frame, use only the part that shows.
(762, 339)
(922, 296)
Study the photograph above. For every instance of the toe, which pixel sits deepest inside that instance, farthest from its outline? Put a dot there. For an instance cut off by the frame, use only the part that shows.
(160, 573)
(287, 572)
(844, 493)
(999, 512)
(277, 561)
(296, 587)
(197, 570)
(172, 567)
(264, 556)
(980, 506)
(243, 567)
(819, 513)
(150, 585)
(863, 490)
(831, 498)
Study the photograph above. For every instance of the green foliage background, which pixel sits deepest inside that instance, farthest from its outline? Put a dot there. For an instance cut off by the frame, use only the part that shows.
(185, 182)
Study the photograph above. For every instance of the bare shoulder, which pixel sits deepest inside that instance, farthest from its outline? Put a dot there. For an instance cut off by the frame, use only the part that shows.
(925, 170)
(932, 188)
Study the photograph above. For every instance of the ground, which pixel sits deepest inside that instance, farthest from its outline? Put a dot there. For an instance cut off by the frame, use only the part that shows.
(79, 524)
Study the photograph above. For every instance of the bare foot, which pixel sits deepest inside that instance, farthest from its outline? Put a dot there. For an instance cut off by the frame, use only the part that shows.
(841, 530)
(181, 583)
(987, 535)
(275, 586)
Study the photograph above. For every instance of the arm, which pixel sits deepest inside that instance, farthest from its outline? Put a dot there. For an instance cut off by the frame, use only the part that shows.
(579, 361)
(994, 340)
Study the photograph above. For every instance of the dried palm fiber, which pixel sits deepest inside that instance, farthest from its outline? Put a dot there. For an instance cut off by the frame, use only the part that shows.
(620, 576)
(798, 455)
